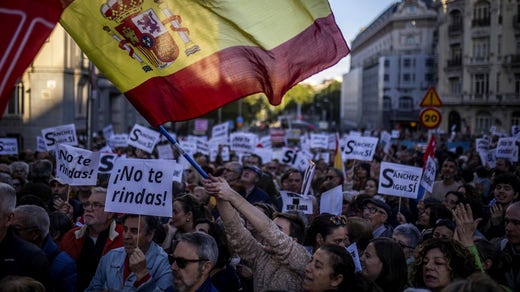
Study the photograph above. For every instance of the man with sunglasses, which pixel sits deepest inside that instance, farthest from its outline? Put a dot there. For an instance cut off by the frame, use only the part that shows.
(140, 264)
(193, 258)
(17, 256)
(88, 243)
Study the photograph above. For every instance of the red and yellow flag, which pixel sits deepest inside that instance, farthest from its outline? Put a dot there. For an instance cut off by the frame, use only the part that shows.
(179, 59)
(26, 24)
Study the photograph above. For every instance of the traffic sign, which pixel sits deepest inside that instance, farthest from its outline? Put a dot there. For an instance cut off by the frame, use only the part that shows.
(431, 98)
(430, 118)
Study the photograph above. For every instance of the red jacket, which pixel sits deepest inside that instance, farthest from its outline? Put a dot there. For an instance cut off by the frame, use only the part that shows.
(72, 241)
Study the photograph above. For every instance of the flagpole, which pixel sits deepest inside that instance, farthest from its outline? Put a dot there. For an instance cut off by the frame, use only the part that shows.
(181, 151)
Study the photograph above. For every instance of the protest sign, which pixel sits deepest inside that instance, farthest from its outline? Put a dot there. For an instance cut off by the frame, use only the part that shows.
(515, 132)
(65, 134)
(265, 154)
(141, 186)
(319, 141)
(353, 250)
(506, 148)
(40, 144)
(386, 139)
(399, 180)
(118, 140)
(143, 138)
(165, 151)
(76, 166)
(428, 177)
(107, 161)
(8, 146)
(331, 201)
(266, 142)
(360, 148)
(396, 134)
(108, 131)
(220, 132)
(296, 202)
(243, 142)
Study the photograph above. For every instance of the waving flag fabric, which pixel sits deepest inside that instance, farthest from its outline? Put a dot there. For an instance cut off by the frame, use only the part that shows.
(25, 24)
(179, 59)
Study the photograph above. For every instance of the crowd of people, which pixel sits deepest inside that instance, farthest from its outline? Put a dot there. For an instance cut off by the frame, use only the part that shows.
(228, 231)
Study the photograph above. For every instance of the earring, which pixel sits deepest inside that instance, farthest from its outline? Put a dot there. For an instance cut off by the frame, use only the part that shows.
(187, 219)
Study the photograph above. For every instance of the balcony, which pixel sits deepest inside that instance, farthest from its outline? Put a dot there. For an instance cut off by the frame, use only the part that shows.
(455, 29)
(511, 61)
(481, 22)
(478, 60)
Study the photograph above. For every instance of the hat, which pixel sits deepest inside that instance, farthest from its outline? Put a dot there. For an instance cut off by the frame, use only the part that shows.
(257, 170)
(379, 203)
(53, 178)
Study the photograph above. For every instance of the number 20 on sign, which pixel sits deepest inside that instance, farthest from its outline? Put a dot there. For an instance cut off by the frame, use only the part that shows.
(430, 118)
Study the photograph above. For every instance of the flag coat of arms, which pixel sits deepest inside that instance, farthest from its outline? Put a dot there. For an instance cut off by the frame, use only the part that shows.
(179, 59)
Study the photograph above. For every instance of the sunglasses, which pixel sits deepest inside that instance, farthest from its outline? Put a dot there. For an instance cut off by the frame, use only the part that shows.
(182, 262)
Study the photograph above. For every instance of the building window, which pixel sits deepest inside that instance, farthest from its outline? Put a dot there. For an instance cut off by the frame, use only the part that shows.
(481, 48)
(16, 102)
(480, 85)
(455, 85)
(429, 62)
(483, 121)
(387, 103)
(481, 14)
(406, 77)
(407, 63)
(455, 21)
(386, 77)
(405, 103)
(387, 63)
(515, 119)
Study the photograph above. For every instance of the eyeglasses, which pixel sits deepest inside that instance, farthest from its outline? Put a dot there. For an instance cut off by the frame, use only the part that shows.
(512, 221)
(94, 205)
(403, 246)
(373, 210)
(338, 220)
(182, 262)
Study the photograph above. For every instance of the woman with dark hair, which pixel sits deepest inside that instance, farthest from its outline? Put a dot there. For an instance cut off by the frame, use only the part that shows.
(359, 231)
(326, 229)
(439, 262)
(361, 174)
(383, 262)
(433, 211)
(186, 210)
(331, 269)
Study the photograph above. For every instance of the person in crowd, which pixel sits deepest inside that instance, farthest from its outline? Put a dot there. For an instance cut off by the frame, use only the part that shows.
(278, 262)
(510, 246)
(331, 269)
(371, 186)
(232, 171)
(17, 256)
(433, 211)
(326, 229)
(476, 282)
(491, 258)
(384, 264)
(62, 202)
(333, 177)
(503, 164)
(20, 284)
(224, 276)
(253, 160)
(377, 213)
(375, 166)
(408, 236)
(361, 174)
(443, 228)
(250, 177)
(359, 231)
(453, 198)
(59, 225)
(40, 172)
(88, 243)
(506, 190)
(140, 264)
(19, 170)
(439, 262)
(31, 223)
(194, 257)
(292, 180)
(448, 182)
(186, 210)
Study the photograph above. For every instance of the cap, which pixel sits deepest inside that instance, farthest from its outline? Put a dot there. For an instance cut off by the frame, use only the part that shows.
(53, 178)
(257, 170)
(379, 203)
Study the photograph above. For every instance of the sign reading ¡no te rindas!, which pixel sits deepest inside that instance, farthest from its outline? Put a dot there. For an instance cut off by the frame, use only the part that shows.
(430, 118)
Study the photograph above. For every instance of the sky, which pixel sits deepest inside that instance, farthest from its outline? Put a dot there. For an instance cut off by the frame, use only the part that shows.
(351, 16)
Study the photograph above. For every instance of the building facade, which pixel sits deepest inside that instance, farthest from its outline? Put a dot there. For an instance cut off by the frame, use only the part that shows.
(392, 67)
(57, 89)
(479, 65)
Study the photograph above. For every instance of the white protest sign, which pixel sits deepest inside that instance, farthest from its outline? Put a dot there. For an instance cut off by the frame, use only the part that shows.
(481, 144)
(178, 169)
(107, 161)
(202, 146)
(506, 148)
(266, 142)
(490, 158)
(354, 133)
(225, 153)
(141, 186)
(40, 144)
(319, 141)
(360, 148)
(213, 151)
(331, 201)
(65, 134)
(108, 131)
(353, 250)
(76, 166)
(220, 132)
(243, 142)
(396, 134)
(332, 141)
(189, 147)
(8, 146)
(265, 154)
(296, 202)
(164, 139)
(399, 180)
(493, 130)
(165, 151)
(143, 138)
(386, 139)
(515, 132)
(428, 177)
(118, 140)
(302, 161)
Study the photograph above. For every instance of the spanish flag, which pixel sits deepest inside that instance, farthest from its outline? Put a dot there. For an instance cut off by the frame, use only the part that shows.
(179, 59)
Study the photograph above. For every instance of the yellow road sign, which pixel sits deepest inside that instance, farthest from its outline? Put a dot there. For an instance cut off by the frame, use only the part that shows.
(430, 118)
(431, 98)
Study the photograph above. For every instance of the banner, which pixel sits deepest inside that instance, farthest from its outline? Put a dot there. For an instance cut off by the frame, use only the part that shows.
(331, 201)
(76, 166)
(176, 60)
(65, 134)
(143, 138)
(428, 178)
(8, 146)
(243, 142)
(296, 202)
(360, 148)
(26, 25)
(399, 180)
(141, 186)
